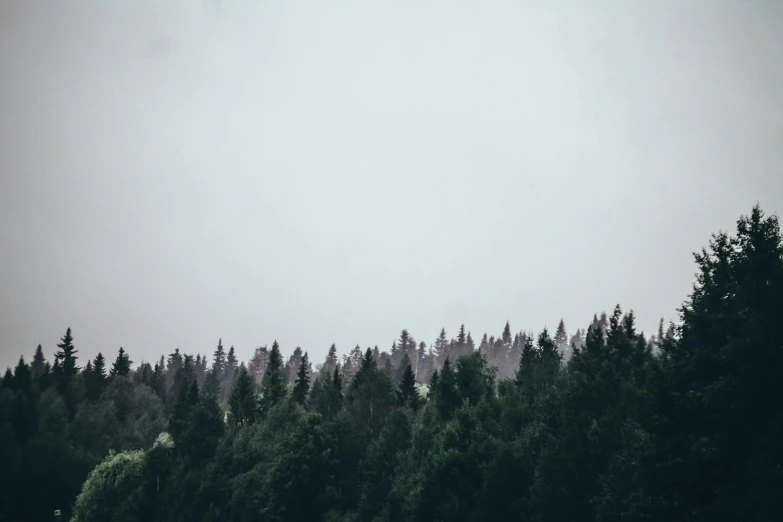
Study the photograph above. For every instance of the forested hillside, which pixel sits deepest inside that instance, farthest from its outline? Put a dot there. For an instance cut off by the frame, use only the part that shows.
(606, 424)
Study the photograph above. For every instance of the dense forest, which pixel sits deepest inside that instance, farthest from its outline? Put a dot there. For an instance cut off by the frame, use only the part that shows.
(606, 424)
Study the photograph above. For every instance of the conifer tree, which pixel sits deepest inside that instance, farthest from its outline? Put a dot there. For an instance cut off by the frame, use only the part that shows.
(561, 337)
(173, 366)
(370, 395)
(39, 362)
(219, 362)
(441, 348)
(22, 377)
(122, 365)
(99, 368)
(258, 364)
(242, 404)
(302, 383)
(421, 361)
(8, 379)
(273, 383)
(66, 358)
(507, 335)
(292, 365)
(231, 363)
(407, 395)
(462, 341)
(331, 360)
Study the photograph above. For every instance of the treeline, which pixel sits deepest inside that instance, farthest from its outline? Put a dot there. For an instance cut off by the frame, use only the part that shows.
(605, 425)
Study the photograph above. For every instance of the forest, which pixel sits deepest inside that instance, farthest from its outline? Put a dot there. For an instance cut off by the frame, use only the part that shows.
(604, 424)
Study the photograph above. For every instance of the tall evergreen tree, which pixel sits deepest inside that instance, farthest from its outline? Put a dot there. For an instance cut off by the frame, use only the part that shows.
(331, 361)
(66, 358)
(507, 335)
(408, 395)
(39, 362)
(122, 365)
(370, 395)
(441, 348)
(232, 364)
(273, 383)
(242, 404)
(302, 382)
(219, 362)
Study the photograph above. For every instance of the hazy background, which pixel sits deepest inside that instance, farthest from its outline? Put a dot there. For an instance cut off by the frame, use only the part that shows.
(173, 172)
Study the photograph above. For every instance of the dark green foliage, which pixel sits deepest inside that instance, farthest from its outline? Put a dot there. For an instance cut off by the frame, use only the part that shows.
(39, 362)
(273, 384)
(685, 425)
(243, 404)
(370, 396)
(302, 383)
(219, 362)
(65, 359)
(407, 395)
(122, 365)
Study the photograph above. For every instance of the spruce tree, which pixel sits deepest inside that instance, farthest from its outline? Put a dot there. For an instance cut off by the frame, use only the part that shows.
(331, 360)
(99, 368)
(273, 383)
(507, 335)
(561, 338)
(408, 395)
(39, 362)
(231, 363)
(242, 404)
(66, 369)
(370, 395)
(462, 341)
(219, 362)
(122, 365)
(302, 382)
(22, 377)
(441, 348)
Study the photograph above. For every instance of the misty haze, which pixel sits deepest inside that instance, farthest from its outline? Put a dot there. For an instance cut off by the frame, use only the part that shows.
(391, 261)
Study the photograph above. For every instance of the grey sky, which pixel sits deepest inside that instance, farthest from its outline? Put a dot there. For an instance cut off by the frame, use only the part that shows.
(174, 172)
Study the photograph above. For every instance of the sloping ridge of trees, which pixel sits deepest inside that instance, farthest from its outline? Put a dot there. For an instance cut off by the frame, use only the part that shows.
(605, 425)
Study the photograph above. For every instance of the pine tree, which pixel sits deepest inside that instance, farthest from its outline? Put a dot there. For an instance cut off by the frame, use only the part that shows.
(8, 379)
(173, 366)
(302, 383)
(39, 361)
(201, 369)
(421, 361)
(331, 360)
(273, 383)
(219, 362)
(561, 337)
(22, 377)
(444, 391)
(242, 404)
(66, 369)
(507, 335)
(370, 395)
(441, 348)
(231, 363)
(462, 341)
(408, 395)
(122, 365)
(401, 368)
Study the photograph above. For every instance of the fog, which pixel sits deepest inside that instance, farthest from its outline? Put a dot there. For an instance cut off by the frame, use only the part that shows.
(332, 172)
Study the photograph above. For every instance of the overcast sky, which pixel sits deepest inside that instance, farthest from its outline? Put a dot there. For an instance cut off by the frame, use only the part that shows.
(178, 171)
